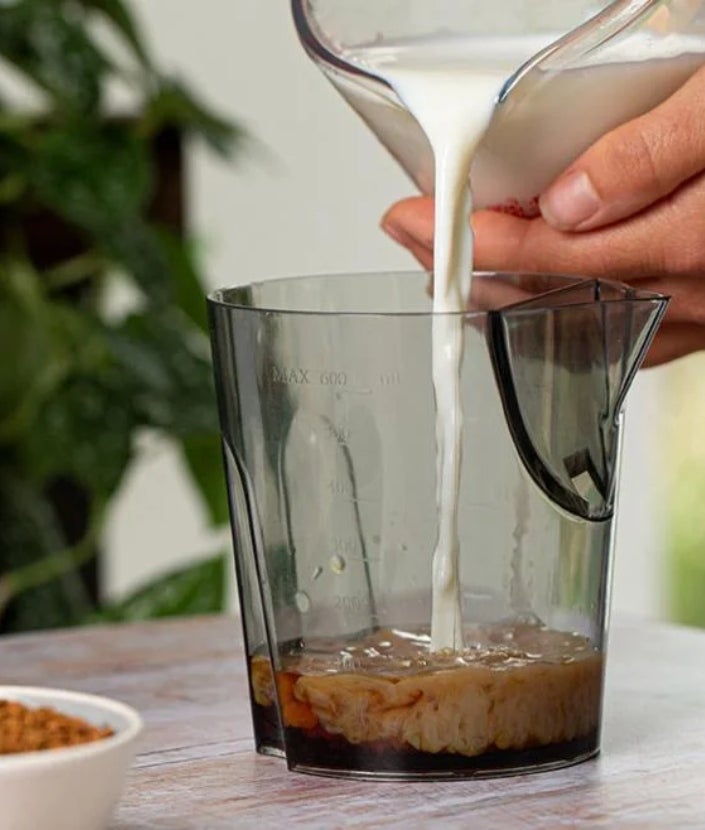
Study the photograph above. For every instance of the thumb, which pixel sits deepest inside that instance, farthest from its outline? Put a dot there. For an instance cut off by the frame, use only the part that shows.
(632, 166)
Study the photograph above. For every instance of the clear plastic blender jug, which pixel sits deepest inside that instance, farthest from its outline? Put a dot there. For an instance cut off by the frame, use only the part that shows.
(328, 419)
(585, 68)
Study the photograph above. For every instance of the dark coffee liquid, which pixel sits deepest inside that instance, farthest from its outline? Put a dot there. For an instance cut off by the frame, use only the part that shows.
(520, 697)
(268, 735)
(317, 751)
(327, 754)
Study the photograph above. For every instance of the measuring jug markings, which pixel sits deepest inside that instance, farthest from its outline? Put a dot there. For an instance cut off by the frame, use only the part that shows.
(338, 379)
(390, 379)
(354, 390)
(308, 376)
(290, 376)
(355, 500)
(342, 488)
(349, 549)
(351, 559)
(344, 546)
(352, 603)
(346, 491)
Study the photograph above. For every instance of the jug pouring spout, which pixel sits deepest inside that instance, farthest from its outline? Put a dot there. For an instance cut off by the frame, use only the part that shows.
(564, 362)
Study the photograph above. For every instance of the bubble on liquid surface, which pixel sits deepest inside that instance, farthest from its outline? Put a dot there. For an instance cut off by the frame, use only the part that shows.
(317, 572)
(303, 602)
(337, 564)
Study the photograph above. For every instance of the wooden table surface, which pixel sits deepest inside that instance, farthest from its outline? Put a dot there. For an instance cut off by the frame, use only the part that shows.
(197, 770)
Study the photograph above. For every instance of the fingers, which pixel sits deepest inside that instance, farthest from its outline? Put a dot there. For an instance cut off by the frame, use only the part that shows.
(663, 242)
(411, 224)
(661, 250)
(675, 340)
(424, 256)
(633, 166)
(505, 243)
(411, 220)
(687, 305)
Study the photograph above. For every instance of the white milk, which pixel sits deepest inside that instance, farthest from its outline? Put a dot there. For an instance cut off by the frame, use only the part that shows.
(552, 117)
(543, 126)
(450, 86)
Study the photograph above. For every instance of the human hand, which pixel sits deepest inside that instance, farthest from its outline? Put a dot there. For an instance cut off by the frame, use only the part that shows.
(631, 208)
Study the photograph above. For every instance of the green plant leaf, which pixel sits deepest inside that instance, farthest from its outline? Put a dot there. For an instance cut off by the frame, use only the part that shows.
(161, 266)
(174, 105)
(82, 418)
(197, 589)
(30, 366)
(30, 535)
(25, 351)
(13, 168)
(75, 385)
(94, 175)
(121, 18)
(189, 292)
(52, 51)
(136, 246)
(173, 380)
(85, 431)
(686, 535)
(204, 459)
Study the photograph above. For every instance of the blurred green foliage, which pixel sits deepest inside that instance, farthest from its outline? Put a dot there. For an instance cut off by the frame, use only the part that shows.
(77, 384)
(681, 484)
(686, 534)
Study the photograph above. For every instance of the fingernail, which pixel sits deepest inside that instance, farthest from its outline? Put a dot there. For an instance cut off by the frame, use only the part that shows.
(570, 202)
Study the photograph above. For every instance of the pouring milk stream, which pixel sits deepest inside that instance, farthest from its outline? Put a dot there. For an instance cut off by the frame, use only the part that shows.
(451, 85)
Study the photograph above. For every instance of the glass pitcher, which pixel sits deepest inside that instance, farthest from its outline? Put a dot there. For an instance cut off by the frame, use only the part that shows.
(585, 68)
(328, 419)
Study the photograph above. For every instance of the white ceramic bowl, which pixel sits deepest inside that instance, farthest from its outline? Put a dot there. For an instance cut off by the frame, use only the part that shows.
(72, 788)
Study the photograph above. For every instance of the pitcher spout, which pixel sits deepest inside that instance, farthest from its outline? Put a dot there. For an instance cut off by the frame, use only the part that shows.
(564, 362)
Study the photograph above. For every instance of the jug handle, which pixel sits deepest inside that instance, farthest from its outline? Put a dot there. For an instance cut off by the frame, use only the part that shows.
(531, 459)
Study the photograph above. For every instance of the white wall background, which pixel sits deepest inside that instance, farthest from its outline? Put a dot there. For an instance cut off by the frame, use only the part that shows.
(306, 198)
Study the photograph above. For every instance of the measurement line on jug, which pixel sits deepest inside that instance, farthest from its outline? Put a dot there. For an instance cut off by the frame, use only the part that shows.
(349, 547)
(346, 490)
(338, 379)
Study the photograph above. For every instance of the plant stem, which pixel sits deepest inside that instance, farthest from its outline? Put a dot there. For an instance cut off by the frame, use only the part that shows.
(74, 271)
(53, 566)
